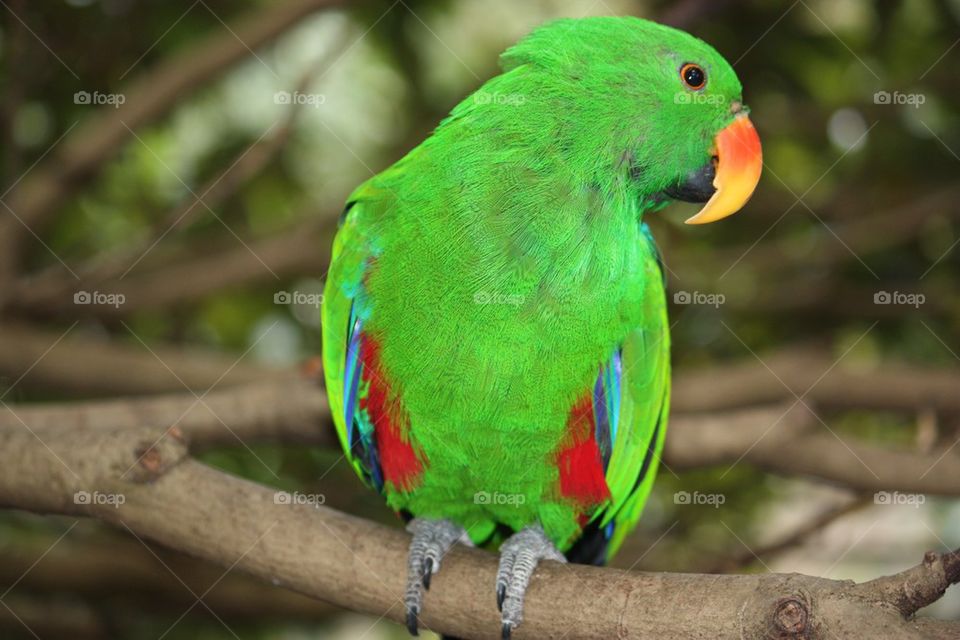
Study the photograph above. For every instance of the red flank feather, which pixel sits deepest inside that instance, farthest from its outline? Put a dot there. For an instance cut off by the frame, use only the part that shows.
(581, 467)
(400, 464)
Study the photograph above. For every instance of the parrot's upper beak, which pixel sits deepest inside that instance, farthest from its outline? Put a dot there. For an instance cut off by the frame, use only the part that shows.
(737, 167)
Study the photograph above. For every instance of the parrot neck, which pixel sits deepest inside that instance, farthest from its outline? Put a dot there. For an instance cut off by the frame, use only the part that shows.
(523, 123)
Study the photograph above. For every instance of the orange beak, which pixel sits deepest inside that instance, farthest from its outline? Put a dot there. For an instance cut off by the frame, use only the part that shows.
(738, 165)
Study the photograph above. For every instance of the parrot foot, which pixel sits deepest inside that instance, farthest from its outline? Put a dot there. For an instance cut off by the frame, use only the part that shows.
(519, 556)
(431, 541)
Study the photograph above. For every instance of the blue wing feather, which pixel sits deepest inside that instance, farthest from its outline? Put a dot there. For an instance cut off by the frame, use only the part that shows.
(606, 406)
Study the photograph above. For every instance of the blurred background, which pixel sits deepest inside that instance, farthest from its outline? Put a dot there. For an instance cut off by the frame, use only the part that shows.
(173, 173)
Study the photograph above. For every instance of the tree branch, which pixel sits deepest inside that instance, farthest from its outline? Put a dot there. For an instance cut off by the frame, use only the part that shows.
(193, 274)
(777, 439)
(51, 618)
(75, 364)
(286, 409)
(353, 563)
(102, 367)
(749, 556)
(820, 379)
(859, 232)
(790, 442)
(122, 569)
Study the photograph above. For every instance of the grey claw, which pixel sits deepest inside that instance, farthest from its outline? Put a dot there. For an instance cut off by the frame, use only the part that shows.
(506, 630)
(427, 573)
(412, 622)
(501, 595)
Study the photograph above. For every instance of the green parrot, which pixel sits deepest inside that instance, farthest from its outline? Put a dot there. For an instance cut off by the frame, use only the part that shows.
(495, 335)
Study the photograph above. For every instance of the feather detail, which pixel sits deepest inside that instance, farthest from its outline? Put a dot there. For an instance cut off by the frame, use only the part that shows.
(606, 406)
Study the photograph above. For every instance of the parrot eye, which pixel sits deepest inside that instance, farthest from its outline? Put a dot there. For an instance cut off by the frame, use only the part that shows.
(693, 75)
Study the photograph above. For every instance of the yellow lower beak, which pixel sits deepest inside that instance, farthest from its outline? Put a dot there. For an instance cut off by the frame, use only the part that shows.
(738, 166)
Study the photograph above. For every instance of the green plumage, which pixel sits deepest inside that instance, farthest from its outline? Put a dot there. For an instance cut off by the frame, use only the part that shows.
(502, 262)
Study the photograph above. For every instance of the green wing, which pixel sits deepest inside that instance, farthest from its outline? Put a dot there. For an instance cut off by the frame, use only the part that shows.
(344, 311)
(644, 400)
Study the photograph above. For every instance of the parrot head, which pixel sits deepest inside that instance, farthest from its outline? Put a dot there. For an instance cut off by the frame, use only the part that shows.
(659, 106)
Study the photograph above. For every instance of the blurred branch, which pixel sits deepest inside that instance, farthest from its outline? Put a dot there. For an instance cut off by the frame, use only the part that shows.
(357, 564)
(303, 249)
(81, 154)
(818, 296)
(51, 619)
(289, 409)
(788, 441)
(820, 379)
(196, 272)
(793, 539)
(778, 439)
(858, 232)
(122, 569)
(69, 362)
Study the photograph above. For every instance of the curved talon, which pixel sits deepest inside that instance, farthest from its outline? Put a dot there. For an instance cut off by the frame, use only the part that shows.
(501, 595)
(412, 622)
(431, 541)
(506, 631)
(427, 573)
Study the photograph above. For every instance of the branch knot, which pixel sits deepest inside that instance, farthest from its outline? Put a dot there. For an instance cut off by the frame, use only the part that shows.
(790, 619)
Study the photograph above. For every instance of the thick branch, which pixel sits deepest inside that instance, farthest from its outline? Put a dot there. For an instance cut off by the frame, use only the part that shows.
(357, 564)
